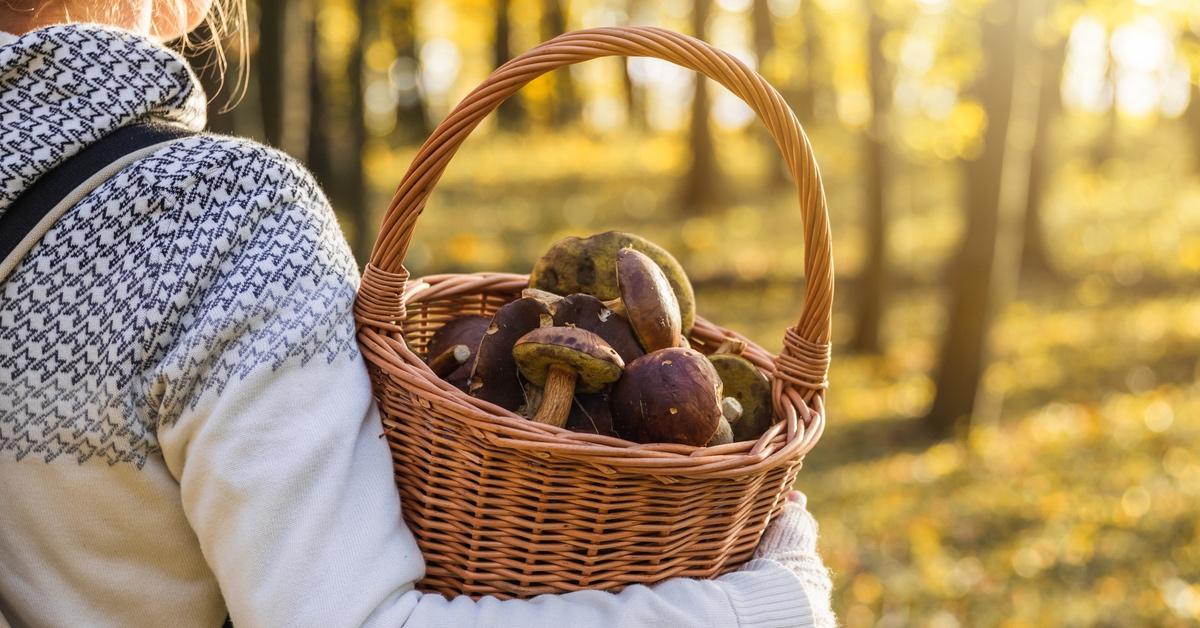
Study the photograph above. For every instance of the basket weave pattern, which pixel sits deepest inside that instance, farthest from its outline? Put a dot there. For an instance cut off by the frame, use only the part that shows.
(504, 506)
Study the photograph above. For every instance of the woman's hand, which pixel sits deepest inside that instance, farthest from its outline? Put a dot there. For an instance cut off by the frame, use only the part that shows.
(791, 540)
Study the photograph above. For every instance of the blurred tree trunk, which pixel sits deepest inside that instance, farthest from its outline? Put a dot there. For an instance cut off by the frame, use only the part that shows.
(282, 72)
(357, 198)
(1036, 262)
(972, 275)
(270, 56)
(703, 183)
(1106, 144)
(764, 44)
(205, 63)
(565, 107)
(806, 94)
(511, 112)
(635, 96)
(413, 123)
(317, 150)
(1191, 41)
(873, 285)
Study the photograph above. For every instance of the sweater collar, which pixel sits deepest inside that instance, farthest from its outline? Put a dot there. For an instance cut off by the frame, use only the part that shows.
(64, 87)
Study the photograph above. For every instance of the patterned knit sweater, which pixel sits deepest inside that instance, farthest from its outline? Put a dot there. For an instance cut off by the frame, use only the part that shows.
(186, 427)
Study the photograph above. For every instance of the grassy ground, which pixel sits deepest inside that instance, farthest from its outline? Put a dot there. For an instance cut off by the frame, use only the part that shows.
(1076, 501)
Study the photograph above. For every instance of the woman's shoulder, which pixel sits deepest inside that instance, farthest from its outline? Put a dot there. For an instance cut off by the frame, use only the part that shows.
(234, 166)
(215, 197)
(240, 189)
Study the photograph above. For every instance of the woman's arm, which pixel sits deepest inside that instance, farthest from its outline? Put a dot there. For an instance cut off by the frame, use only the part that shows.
(266, 420)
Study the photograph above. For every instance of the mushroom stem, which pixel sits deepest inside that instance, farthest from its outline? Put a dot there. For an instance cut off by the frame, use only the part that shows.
(732, 346)
(723, 435)
(549, 298)
(556, 396)
(450, 359)
(617, 306)
(731, 409)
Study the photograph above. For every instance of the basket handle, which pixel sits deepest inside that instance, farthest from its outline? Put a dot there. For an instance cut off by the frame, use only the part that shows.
(802, 365)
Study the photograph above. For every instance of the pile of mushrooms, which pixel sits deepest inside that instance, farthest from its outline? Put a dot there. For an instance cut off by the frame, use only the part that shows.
(598, 344)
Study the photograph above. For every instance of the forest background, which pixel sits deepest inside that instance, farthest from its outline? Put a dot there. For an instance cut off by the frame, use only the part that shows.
(1014, 410)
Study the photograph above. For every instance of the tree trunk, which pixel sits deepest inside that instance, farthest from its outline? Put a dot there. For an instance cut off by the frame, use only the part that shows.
(806, 95)
(362, 229)
(873, 285)
(511, 113)
(271, 56)
(1192, 115)
(764, 45)
(282, 72)
(565, 106)
(972, 275)
(764, 31)
(413, 123)
(317, 151)
(703, 185)
(1106, 144)
(1036, 262)
(635, 96)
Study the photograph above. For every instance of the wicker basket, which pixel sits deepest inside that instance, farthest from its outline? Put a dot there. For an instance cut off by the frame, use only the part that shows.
(504, 506)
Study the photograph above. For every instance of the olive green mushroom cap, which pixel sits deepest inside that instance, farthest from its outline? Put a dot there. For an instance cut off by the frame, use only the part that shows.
(595, 363)
(742, 381)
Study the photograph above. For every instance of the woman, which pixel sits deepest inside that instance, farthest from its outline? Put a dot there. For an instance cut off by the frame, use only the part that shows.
(186, 427)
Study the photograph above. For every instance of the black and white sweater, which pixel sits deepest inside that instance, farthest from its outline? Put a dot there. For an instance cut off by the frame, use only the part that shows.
(186, 428)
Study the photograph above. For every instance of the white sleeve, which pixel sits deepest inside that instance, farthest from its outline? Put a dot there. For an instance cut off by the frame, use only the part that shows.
(269, 426)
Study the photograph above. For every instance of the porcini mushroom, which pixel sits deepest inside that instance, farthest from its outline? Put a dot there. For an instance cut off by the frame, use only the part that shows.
(723, 435)
(449, 360)
(591, 414)
(743, 382)
(451, 349)
(588, 265)
(562, 360)
(587, 312)
(672, 395)
(647, 301)
(495, 377)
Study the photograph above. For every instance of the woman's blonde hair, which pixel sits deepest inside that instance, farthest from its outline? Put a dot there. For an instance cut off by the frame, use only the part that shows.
(224, 31)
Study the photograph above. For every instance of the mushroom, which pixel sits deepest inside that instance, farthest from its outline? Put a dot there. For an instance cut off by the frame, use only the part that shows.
(591, 414)
(495, 377)
(562, 360)
(723, 435)
(588, 265)
(744, 383)
(449, 360)
(647, 301)
(587, 312)
(549, 298)
(451, 349)
(672, 395)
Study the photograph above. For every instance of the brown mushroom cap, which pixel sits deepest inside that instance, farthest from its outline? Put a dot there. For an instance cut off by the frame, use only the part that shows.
(495, 377)
(587, 265)
(672, 395)
(591, 414)
(594, 362)
(464, 330)
(587, 312)
(648, 300)
(745, 383)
